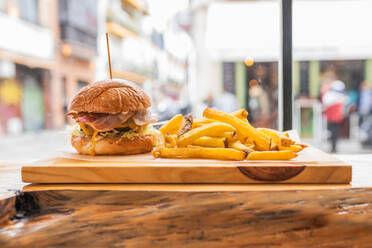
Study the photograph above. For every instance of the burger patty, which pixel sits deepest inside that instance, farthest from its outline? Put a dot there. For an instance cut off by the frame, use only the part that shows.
(116, 132)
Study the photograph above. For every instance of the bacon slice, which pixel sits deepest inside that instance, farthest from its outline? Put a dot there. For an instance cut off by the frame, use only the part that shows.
(103, 122)
(144, 117)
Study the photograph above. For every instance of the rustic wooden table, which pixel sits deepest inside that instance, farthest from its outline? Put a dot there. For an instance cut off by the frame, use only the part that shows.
(132, 215)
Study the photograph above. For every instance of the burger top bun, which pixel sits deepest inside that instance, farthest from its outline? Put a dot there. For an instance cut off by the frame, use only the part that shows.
(110, 97)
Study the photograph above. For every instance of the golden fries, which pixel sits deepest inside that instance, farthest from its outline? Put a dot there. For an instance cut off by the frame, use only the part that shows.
(225, 136)
(241, 114)
(210, 142)
(237, 145)
(171, 140)
(205, 130)
(276, 137)
(295, 148)
(272, 155)
(201, 152)
(200, 122)
(302, 145)
(244, 129)
(172, 126)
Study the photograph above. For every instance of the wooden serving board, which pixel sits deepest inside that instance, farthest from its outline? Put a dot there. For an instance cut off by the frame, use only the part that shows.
(311, 166)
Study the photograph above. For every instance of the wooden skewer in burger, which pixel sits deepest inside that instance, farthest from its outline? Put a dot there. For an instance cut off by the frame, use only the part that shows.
(113, 118)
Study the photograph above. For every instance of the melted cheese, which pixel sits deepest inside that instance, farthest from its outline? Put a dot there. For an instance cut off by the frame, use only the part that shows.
(85, 130)
(92, 151)
(130, 123)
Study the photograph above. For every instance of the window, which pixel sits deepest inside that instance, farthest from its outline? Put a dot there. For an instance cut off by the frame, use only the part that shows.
(2, 6)
(328, 51)
(246, 44)
(29, 10)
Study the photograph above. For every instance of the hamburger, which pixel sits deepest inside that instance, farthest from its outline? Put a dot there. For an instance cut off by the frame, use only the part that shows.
(112, 119)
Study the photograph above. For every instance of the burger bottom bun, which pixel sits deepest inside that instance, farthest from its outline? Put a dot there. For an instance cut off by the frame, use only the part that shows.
(114, 146)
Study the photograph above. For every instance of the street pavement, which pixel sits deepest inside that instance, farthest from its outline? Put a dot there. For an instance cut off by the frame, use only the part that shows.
(31, 146)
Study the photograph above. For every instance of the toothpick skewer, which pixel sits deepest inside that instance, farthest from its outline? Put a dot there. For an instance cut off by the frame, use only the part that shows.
(108, 54)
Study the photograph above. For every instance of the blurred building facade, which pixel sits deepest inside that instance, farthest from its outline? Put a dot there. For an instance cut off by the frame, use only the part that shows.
(156, 58)
(238, 52)
(52, 48)
(47, 52)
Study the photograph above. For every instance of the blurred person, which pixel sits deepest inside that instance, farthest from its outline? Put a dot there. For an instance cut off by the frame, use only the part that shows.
(328, 77)
(365, 99)
(352, 101)
(334, 101)
(206, 103)
(259, 104)
(226, 102)
(364, 111)
(169, 104)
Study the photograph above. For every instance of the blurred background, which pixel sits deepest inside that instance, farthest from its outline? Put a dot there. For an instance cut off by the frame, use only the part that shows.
(187, 55)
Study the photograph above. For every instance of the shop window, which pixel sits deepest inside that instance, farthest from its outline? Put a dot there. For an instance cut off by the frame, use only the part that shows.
(78, 21)
(29, 10)
(32, 107)
(304, 78)
(262, 93)
(229, 76)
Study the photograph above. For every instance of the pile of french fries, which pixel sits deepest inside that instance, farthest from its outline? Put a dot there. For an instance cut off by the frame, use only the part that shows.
(224, 136)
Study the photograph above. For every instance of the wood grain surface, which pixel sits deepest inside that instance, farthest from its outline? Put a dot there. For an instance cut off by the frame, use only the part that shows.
(312, 166)
(187, 215)
(69, 218)
(7, 210)
(174, 187)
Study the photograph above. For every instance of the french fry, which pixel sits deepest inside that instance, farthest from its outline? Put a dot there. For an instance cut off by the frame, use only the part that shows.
(273, 134)
(302, 145)
(248, 142)
(273, 146)
(172, 126)
(201, 152)
(230, 136)
(244, 129)
(295, 148)
(272, 155)
(237, 145)
(276, 137)
(171, 140)
(286, 134)
(210, 142)
(155, 153)
(202, 121)
(241, 114)
(210, 129)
